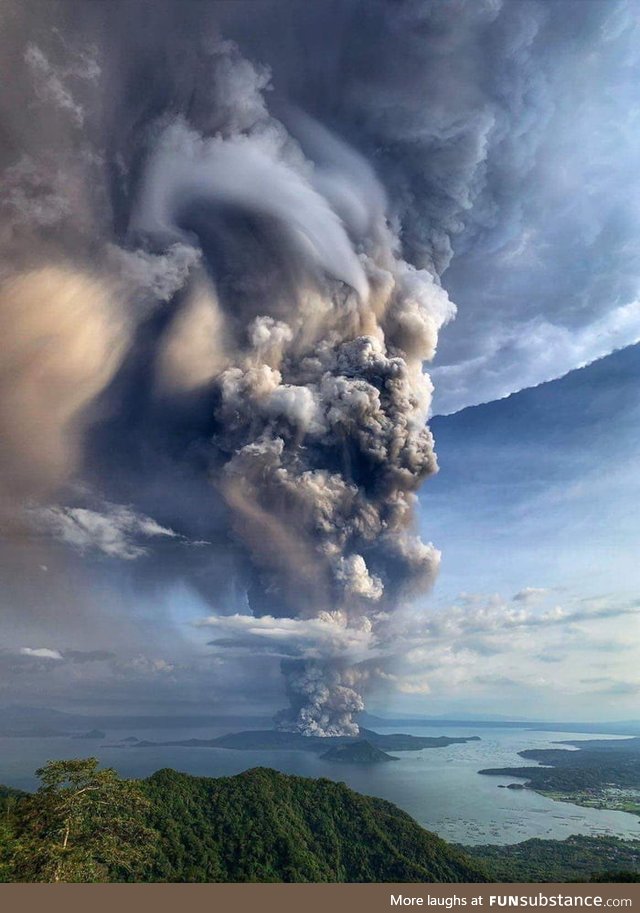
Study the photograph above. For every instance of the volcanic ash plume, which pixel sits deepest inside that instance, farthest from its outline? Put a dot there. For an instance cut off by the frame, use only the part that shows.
(273, 361)
(321, 438)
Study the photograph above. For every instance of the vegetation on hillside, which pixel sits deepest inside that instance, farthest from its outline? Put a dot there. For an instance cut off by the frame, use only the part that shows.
(266, 826)
(84, 824)
(8, 801)
(585, 768)
(602, 773)
(578, 858)
(87, 824)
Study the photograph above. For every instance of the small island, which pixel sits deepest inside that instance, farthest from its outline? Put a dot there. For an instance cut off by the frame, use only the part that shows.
(360, 752)
(91, 734)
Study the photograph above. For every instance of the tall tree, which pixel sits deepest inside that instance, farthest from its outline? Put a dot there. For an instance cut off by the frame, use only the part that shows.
(83, 825)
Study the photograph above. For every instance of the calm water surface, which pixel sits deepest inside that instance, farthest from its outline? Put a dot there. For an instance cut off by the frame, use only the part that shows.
(440, 788)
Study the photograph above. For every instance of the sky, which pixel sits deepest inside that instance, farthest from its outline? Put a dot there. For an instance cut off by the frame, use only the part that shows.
(536, 516)
(247, 253)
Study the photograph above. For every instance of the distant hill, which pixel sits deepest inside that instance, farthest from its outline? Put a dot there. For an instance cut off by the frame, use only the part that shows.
(595, 764)
(608, 745)
(360, 752)
(475, 721)
(578, 858)
(16, 719)
(266, 826)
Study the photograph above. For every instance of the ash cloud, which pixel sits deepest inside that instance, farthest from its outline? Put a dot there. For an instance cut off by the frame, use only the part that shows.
(223, 253)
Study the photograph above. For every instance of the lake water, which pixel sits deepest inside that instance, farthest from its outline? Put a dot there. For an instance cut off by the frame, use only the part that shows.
(440, 788)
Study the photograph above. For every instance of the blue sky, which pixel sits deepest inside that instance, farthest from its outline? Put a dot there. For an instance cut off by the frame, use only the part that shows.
(537, 498)
(534, 475)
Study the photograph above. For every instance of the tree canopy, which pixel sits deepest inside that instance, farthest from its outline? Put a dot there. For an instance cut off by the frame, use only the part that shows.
(82, 825)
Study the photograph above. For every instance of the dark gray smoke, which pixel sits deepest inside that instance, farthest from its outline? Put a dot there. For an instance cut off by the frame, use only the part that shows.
(224, 229)
(318, 397)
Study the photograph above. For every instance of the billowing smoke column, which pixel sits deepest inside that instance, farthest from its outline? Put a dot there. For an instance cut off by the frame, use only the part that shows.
(222, 231)
(258, 333)
(320, 400)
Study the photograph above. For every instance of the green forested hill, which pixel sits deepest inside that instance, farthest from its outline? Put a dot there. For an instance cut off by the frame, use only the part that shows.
(577, 858)
(266, 826)
(86, 823)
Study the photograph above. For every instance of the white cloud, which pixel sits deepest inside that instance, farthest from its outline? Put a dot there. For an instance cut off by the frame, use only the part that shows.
(413, 686)
(40, 653)
(527, 354)
(50, 81)
(449, 646)
(115, 531)
(141, 666)
(470, 645)
(49, 86)
(312, 638)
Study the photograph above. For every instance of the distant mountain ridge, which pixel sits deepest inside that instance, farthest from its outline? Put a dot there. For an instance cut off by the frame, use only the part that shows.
(43, 722)
(620, 727)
